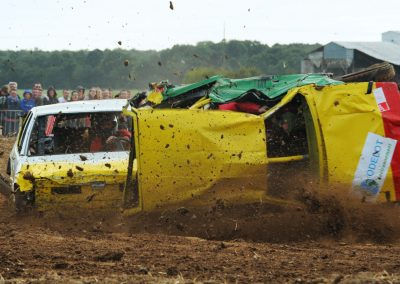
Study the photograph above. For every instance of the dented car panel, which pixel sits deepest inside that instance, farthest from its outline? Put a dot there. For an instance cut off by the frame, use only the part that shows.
(223, 90)
(182, 155)
(106, 167)
(360, 125)
(357, 129)
(96, 182)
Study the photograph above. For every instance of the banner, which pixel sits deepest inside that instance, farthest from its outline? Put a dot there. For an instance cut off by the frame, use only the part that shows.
(374, 163)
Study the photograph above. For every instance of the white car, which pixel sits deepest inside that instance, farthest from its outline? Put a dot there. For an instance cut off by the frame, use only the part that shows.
(71, 152)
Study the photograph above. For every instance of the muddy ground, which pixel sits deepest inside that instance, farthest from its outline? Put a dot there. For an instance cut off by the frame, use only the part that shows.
(328, 240)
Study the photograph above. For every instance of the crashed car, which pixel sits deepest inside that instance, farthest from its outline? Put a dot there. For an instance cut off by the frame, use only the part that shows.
(71, 152)
(343, 133)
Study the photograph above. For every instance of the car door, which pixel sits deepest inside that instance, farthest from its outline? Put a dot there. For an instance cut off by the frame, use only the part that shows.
(198, 157)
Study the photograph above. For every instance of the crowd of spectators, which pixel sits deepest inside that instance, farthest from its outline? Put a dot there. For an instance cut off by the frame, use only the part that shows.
(12, 106)
(10, 100)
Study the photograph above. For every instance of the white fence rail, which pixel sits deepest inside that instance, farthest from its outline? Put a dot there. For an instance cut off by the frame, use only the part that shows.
(9, 122)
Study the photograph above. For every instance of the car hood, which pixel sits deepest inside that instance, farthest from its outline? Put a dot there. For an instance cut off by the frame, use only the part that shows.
(90, 168)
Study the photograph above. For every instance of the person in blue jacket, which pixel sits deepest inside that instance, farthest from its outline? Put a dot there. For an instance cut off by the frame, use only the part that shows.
(12, 113)
(27, 102)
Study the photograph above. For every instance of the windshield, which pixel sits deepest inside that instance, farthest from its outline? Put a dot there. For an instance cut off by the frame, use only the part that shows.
(79, 133)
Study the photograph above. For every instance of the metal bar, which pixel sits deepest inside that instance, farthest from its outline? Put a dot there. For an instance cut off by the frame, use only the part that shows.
(9, 122)
(200, 103)
(287, 159)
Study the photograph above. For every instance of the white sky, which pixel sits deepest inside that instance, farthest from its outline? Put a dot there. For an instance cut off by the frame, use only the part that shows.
(150, 24)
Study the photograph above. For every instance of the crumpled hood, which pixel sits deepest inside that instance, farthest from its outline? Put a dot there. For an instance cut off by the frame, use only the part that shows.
(59, 173)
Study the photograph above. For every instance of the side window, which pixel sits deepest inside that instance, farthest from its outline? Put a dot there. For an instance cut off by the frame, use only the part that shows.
(286, 130)
(24, 130)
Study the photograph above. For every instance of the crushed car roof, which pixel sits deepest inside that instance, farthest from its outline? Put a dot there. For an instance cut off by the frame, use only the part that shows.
(82, 106)
(222, 90)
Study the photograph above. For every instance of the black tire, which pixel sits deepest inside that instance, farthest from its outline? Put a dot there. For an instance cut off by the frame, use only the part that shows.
(23, 201)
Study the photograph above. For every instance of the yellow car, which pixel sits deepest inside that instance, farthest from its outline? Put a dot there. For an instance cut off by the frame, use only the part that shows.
(344, 133)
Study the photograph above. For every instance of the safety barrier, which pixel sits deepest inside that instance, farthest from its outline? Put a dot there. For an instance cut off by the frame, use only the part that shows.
(9, 122)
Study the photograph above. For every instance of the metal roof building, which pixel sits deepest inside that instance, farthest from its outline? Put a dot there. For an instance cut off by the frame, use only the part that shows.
(341, 57)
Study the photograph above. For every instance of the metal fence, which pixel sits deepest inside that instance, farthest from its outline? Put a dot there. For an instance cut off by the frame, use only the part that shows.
(9, 122)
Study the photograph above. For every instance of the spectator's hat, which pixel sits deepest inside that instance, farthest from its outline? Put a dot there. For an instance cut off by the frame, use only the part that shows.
(27, 91)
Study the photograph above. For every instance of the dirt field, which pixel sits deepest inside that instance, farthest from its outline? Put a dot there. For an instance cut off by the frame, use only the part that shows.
(329, 240)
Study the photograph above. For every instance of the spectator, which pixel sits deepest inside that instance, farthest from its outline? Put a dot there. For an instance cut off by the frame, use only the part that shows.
(27, 102)
(98, 93)
(81, 93)
(13, 101)
(129, 95)
(52, 95)
(92, 93)
(123, 94)
(12, 115)
(105, 93)
(65, 97)
(38, 96)
(74, 96)
(3, 104)
(13, 86)
(3, 97)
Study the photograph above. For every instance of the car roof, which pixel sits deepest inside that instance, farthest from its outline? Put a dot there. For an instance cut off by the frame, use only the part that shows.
(110, 105)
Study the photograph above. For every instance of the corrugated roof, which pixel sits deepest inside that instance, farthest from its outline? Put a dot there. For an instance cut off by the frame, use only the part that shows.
(385, 51)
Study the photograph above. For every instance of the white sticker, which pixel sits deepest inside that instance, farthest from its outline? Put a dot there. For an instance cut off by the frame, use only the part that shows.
(381, 99)
(374, 163)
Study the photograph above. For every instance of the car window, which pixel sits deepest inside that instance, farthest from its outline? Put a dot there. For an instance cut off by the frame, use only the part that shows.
(58, 134)
(24, 130)
(286, 130)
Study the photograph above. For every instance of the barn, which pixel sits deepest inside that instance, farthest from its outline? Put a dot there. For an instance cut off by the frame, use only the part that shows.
(342, 57)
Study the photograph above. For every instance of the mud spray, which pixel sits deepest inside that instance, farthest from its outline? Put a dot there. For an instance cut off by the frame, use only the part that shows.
(320, 213)
(316, 212)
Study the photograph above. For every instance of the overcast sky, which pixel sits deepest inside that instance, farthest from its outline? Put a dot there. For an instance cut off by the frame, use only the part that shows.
(151, 24)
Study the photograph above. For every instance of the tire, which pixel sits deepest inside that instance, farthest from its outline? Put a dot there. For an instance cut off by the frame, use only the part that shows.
(23, 201)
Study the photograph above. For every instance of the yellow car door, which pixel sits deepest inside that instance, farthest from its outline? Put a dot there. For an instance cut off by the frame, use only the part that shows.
(198, 156)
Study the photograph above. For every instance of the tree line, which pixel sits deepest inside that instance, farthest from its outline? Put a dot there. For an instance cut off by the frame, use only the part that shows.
(134, 69)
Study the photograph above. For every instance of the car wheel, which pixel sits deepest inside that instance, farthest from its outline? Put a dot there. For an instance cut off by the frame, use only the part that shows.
(23, 201)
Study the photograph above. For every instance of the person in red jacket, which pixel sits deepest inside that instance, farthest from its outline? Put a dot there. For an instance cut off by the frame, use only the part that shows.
(106, 136)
